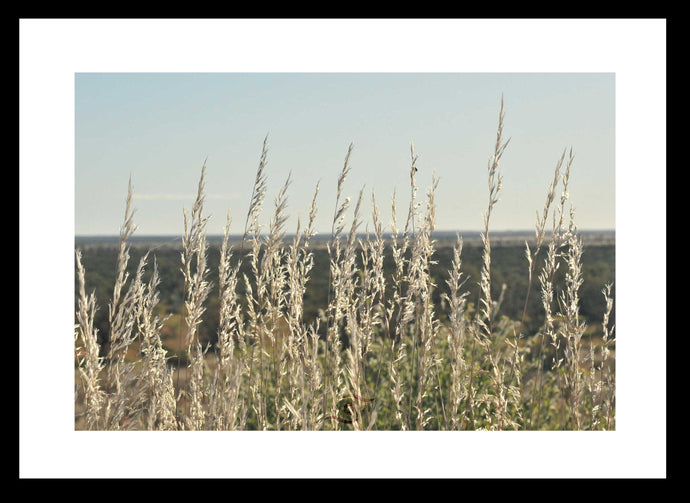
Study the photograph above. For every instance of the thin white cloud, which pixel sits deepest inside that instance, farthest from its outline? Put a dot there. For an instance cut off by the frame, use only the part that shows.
(153, 197)
(182, 197)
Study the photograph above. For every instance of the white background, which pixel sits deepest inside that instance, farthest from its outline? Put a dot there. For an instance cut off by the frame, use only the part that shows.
(51, 51)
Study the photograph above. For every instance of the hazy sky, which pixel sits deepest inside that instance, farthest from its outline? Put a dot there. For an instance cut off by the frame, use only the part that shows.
(159, 127)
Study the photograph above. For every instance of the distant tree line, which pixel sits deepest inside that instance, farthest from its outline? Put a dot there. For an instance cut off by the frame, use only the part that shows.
(509, 268)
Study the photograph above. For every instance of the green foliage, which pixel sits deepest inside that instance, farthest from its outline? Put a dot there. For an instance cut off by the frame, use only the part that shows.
(508, 267)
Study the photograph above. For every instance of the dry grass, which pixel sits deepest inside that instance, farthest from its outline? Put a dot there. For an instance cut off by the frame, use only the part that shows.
(391, 358)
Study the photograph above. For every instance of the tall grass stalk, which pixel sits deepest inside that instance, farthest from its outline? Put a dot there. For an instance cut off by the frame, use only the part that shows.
(604, 392)
(484, 321)
(457, 334)
(295, 357)
(572, 327)
(156, 381)
(229, 407)
(333, 377)
(121, 320)
(90, 364)
(197, 287)
(546, 279)
(273, 266)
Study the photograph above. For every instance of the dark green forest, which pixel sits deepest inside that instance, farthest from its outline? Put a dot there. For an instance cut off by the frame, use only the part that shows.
(509, 267)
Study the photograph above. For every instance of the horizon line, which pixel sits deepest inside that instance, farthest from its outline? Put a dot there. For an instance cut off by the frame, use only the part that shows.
(322, 234)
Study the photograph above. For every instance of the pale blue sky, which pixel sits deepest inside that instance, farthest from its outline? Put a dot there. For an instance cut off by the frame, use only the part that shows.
(159, 128)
